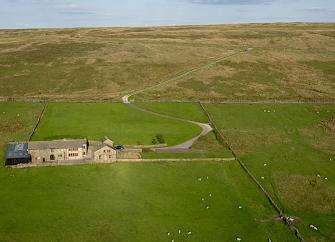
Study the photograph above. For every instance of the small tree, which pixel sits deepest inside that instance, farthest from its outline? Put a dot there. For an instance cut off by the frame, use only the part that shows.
(160, 138)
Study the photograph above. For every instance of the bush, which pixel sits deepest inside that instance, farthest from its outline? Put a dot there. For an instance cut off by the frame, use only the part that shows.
(154, 141)
(160, 138)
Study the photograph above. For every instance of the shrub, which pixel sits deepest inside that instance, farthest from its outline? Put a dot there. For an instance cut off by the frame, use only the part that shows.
(160, 138)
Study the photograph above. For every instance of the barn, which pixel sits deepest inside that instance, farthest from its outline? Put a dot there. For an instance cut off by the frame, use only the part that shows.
(17, 153)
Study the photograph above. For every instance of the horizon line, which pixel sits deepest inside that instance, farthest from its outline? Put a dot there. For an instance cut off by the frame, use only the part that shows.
(173, 25)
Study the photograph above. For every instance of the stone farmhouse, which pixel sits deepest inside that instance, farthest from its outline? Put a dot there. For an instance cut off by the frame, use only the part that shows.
(68, 151)
(58, 150)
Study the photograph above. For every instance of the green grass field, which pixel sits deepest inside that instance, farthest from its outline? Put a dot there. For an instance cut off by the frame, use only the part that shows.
(293, 148)
(123, 124)
(190, 111)
(17, 121)
(135, 202)
(129, 202)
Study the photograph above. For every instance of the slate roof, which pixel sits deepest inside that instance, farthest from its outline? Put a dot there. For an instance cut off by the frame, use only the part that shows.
(17, 151)
(56, 144)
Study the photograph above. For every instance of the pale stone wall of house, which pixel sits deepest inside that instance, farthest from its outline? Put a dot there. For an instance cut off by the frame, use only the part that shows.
(57, 155)
(105, 154)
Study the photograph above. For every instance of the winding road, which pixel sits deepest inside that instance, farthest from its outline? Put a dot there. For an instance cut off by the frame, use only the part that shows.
(206, 128)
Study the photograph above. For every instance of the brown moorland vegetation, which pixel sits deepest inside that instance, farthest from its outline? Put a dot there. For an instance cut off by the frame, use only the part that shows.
(289, 62)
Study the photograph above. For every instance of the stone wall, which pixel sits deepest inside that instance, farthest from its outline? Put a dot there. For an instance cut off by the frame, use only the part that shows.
(129, 154)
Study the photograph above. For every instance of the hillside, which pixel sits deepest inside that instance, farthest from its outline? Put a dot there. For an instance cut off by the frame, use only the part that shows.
(288, 62)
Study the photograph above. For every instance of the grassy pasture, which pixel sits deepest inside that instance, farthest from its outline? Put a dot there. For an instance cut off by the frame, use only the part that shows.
(128, 202)
(122, 123)
(190, 111)
(135, 202)
(290, 61)
(16, 122)
(296, 142)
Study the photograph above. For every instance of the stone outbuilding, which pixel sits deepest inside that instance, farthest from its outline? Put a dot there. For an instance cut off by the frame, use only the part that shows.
(105, 152)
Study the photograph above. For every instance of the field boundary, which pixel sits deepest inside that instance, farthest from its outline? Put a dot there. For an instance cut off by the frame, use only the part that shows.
(223, 139)
(170, 160)
(273, 101)
(38, 121)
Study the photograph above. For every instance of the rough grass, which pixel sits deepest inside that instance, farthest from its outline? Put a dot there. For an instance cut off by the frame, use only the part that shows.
(290, 61)
(122, 123)
(263, 74)
(298, 152)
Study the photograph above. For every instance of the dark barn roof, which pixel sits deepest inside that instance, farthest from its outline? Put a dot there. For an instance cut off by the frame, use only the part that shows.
(56, 144)
(17, 151)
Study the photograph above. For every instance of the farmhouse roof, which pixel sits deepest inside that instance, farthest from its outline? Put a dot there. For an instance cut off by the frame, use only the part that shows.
(17, 151)
(56, 144)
